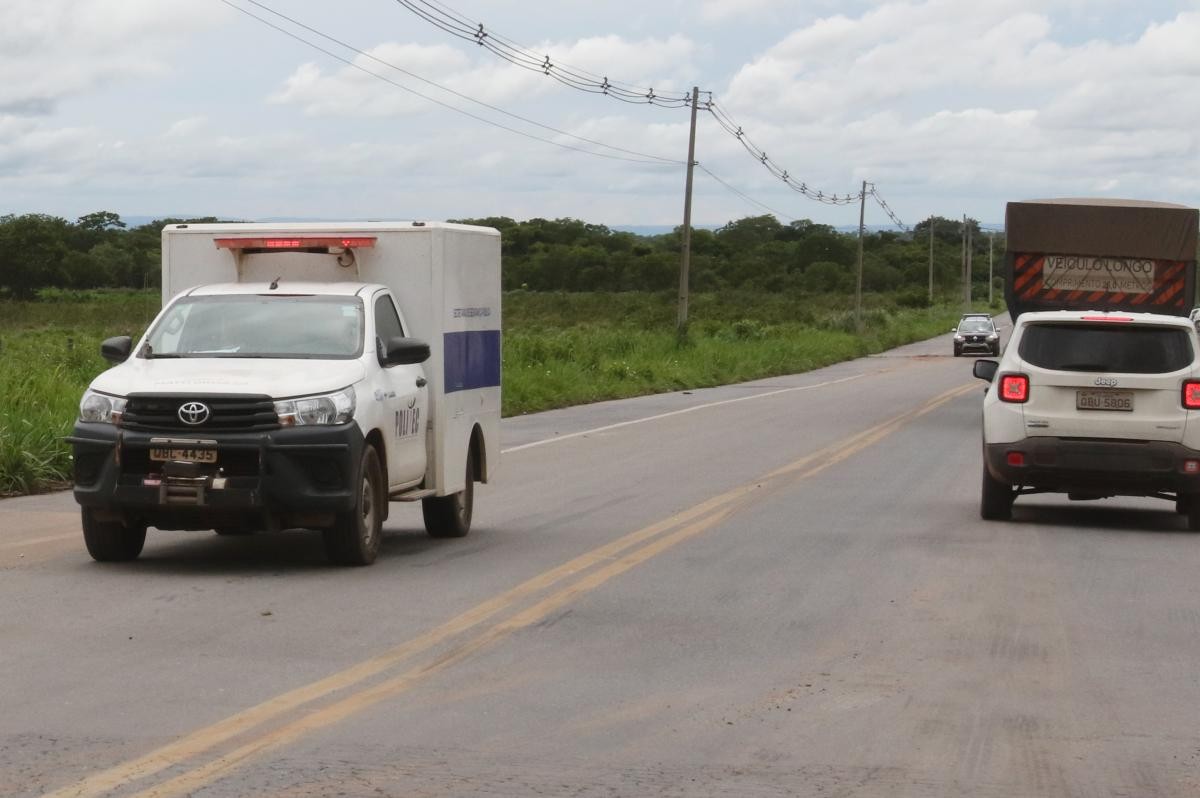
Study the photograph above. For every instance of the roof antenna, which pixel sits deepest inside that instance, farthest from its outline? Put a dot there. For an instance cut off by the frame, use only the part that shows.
(274, 284)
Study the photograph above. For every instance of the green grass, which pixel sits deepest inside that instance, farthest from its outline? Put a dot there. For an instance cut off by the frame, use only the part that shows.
(559, 350)
(567, 349)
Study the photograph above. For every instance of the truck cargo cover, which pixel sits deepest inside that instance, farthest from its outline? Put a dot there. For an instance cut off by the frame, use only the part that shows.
(1103, 227)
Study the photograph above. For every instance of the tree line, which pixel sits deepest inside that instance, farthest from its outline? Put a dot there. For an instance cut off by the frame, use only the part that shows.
(756, 253)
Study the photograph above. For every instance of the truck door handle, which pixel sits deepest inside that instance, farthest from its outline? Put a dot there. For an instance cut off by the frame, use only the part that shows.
(421, 382)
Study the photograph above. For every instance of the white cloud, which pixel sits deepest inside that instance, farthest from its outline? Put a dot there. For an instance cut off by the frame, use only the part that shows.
(946, 106)
(53, 49)
(376, 84)
(956, 98)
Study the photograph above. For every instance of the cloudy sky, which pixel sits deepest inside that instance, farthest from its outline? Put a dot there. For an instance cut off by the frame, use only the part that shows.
(160, 107)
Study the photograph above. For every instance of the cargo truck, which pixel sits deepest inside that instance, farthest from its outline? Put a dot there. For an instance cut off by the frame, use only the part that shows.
(1100, 254)
(299, 376)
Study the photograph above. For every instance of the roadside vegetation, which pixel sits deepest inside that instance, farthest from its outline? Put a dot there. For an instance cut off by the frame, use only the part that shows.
(559, 349)
(589, 313)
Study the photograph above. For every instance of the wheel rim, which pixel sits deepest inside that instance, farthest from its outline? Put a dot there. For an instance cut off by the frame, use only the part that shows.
(368, 510)
(462, 501)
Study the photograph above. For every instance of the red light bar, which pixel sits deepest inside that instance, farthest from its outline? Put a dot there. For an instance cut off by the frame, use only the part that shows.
(297, 242)
(1106, 318)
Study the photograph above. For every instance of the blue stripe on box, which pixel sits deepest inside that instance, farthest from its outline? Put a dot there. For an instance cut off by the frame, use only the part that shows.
(472, 360)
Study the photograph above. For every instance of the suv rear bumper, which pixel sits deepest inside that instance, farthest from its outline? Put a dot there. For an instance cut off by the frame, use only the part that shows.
(299, 476)
(1112, 467)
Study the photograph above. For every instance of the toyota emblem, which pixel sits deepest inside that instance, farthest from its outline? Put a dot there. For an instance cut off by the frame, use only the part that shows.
(193, 413)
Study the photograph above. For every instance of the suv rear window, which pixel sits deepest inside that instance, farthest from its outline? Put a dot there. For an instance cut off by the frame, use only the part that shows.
(1108, 347)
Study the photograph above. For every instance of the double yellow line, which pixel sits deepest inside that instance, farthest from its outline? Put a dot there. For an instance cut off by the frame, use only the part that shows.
(588, 572)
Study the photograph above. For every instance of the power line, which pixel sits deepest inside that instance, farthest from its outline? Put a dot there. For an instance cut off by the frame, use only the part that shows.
(641, 157)
(454, 23)
(874, 192)
(746, 197)
(734, 129)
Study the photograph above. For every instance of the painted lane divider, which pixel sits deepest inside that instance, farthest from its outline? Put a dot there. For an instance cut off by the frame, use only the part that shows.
(594, 569)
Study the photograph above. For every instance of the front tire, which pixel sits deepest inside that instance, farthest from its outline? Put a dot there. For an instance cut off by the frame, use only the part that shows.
(111, 541)
(958, 351)
(450, 516)
(996, 498)
(354, 537)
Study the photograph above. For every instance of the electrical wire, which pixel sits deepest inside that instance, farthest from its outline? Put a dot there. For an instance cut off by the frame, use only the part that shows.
(454, 23)
(886, 209)
(653, 160)
(732, 128)
(744, 196)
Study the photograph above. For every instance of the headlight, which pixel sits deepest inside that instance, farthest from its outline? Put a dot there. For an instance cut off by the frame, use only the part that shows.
(957, 337)
(993, 336)
(101, 407)
(330, 408)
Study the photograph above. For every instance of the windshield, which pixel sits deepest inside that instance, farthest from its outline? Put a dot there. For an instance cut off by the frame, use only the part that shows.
(1108, 348)
(975, 326)
(260, 326)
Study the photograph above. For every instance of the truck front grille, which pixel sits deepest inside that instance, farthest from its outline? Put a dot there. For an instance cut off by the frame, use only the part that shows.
(225, 413)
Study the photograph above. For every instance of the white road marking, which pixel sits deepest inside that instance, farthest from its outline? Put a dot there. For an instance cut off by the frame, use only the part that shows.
(570, 435)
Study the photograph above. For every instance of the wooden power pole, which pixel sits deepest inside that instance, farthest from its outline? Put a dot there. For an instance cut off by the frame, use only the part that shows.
(862, 215)
(686, 255)
(930, 260)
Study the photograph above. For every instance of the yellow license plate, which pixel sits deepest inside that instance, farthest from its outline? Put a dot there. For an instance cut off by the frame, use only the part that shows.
(162, 455)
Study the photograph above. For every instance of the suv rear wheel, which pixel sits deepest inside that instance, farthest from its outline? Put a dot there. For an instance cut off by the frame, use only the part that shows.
(996, 499)
(1193, 514)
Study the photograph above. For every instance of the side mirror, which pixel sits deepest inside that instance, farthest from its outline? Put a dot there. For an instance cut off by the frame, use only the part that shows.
(116, 350)
(953, 329)
(986, 369)
(403, 351)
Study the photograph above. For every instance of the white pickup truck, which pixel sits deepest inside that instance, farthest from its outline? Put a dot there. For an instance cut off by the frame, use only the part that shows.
(299, 375)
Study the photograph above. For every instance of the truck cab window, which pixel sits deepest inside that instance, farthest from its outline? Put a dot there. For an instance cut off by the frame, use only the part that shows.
(387, 320)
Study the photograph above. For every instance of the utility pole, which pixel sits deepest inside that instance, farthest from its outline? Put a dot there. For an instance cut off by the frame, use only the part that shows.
(991, 238)
(970, 247)
(966, 287)
(930, 260)
(685, 262)
(862, 213)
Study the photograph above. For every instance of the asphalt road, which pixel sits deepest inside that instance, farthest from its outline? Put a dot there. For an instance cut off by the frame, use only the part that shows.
(772, 589)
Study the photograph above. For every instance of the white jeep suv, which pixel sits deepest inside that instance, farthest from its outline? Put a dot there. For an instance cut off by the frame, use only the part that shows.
(1093, 404)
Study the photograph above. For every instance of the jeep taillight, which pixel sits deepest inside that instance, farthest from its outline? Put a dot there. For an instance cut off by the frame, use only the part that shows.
(1191, 394)
(1015, 388)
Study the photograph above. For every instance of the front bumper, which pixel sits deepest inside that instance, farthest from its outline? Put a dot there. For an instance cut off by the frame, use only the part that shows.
(977, 346)
(1095, 466)
(299, 476)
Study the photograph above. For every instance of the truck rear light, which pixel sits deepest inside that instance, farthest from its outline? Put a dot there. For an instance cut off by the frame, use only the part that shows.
(1191, 394)
(1014, 388)
(1191, 466)
(1015, 459)
(298, 242)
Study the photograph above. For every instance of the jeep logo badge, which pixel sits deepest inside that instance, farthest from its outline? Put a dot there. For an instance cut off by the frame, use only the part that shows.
(1107, 382)
(193, 413)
